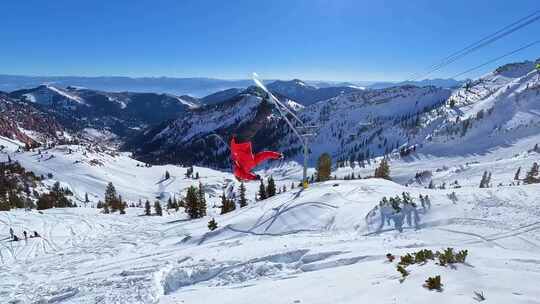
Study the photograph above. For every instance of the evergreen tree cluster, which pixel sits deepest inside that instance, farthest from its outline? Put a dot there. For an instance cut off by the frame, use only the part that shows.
(15, 186)
(56, 198)
(195, 202)
(227, 204)
(191, 174)
(383, 171)
(113, 201)
(268, 190)
(532, 175)
(172, 203)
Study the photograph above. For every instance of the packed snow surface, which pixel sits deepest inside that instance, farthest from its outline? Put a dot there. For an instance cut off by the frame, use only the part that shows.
(324, 244)
(314, 246)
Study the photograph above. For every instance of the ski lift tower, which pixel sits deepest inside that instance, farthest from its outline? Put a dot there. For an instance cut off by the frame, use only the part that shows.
(306, 132)
(302, 131)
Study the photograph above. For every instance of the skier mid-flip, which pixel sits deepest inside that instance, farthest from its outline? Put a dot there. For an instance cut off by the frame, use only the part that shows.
(244, 160)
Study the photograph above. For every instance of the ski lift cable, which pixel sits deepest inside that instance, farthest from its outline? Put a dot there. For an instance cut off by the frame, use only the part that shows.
(497, 58)
(476, 43)
(479, 47)
(507, 30)
(472, 47)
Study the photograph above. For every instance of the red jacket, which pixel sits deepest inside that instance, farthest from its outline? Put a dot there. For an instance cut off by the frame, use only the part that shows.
(244, 161)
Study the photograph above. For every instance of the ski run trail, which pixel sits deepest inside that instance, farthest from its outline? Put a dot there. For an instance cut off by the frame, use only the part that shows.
(319, 245)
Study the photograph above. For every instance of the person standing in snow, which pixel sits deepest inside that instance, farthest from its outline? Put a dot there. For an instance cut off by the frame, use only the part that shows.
(25, 235)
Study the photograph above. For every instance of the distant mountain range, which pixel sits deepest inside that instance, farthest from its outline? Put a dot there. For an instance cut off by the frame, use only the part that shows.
(438, 82)
(196, 87)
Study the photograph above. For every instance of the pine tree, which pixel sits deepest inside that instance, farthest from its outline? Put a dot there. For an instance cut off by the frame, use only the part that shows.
(202, 202)
(212, 224)
(532, 175)
(86, 200)
(192, 202)
(170, 204)
(4, 205)
(227, 205)
(271, 188)
(262, 191)
(157, 208)
(516, 177)
(111, 197)
(242, 195)
(383, 171)
(167, 175)
(324, 167)
(147, 209)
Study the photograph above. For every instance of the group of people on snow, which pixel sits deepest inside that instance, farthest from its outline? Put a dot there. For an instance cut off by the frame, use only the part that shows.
(16, 238)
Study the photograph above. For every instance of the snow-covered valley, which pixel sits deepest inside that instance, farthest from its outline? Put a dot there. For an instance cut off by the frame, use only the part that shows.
(324, 244)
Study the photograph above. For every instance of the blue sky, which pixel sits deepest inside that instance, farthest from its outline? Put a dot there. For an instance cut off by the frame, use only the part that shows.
(307, 39)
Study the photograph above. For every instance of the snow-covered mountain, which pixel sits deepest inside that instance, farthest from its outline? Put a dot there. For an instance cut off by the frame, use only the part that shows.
(307, 94)
(24, 123)
(201, 136)
(363, 124)
(220, 96)
(123, 113)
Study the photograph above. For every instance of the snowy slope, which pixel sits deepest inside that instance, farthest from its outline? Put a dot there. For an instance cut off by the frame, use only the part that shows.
(46, 95)
(313, 246)
(89, 168)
